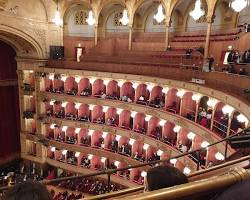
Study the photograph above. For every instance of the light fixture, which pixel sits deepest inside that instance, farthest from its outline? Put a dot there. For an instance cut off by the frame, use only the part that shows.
(150, 87)
(52, 126)
(57, 19)
(204, 144)
(162, 122)
(219, 156)
(119, 111)
(53, 149)
(177, 129)
(104, 134)
(64, 128)
(120, 83)
(77, 154)
(197, 13)
(165, 90)
(143, 174)
(77, 105)
(186, 170)
(92, 80)
(106, 82)
(159, 16)
(125, 19)
(91, 132)
(105, 108)
(196, 97)
(90, 156)
(147, 118)
(64, 78)
(133, 113)
(64, 104)
(191, 136)
(242, 118)
(64, 152)
(51, 77)
(116, 163)
(77, 130)
(173, 161)
(52, 102)
(117, 137)
(131, 141)
(103, 159)
(145, 146)
(227, 109)
(135, 85)
(91, 107)
(239, 5)
(78, 79)
(212, 102)
(91, 20)
(180, 93)
(159, 152)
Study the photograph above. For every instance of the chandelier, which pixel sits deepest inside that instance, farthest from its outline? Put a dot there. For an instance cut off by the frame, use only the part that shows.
(57, 19)
(124, 20)
(91, 20)
(239, 5)
(197, 12)
(159, 16)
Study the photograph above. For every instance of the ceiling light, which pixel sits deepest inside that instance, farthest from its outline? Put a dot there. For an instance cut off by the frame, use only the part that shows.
(147, 118)
(116, 163)
(78, 79)
(118, 137)
(197, 13)
(159, 16)
(145, 146)
(239, 5)
(77, 154)
(64, 104)
(77, 130)
(103, 159)
(64, 152)
(162, 122)
(131, 141)
(90, 156)
(53, 149)
(64, 128)
(196, 97)
(104, 134)
(91, 20)
(57, 19)
(77, 105)
(173, 161)
(125, 19)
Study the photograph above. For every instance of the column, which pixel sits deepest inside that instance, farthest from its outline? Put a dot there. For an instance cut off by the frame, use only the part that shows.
(167, 34)
(130, 37)
(209, 26)
(96, 34)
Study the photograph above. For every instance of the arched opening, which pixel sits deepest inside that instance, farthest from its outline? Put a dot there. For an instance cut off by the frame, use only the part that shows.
(9, 119)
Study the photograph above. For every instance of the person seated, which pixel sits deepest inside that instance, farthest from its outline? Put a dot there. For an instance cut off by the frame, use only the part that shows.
(99, 120)
(142, 100)
(72, 91)
(60, 114)
(181, 147)
(84, 140)
(164, 176)
(172, 108)
(86, 92)
(127, 149)
(60, 137)
(71, 140)
(28, 191)
(111, 121)
(242, 72)
(83, 118)
(49, 112)
(112, 96)
(114, 145)
(189, 53)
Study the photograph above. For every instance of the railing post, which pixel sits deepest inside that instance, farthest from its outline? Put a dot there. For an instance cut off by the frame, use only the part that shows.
(225, 154)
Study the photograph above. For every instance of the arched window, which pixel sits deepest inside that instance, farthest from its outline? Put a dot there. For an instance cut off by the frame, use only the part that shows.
(117, 18)
(80, 17)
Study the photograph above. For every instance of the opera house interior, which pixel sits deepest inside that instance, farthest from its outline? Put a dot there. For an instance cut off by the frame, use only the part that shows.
(121, 99)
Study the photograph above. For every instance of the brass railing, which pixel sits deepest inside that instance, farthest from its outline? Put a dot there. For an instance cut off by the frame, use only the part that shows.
(197, 188)
(191, 177)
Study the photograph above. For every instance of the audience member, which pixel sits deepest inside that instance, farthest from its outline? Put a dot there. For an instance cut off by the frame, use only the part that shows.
(164, 176)
(28, 191)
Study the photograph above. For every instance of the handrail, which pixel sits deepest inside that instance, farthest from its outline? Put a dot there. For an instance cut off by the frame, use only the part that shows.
(111, 171)
(193, 188)
(190, 177)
